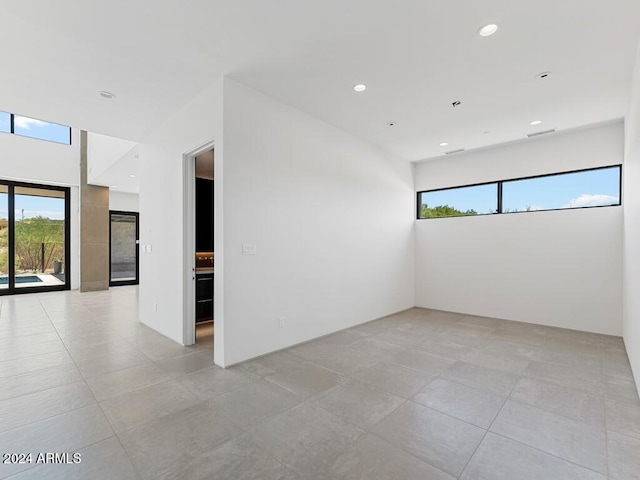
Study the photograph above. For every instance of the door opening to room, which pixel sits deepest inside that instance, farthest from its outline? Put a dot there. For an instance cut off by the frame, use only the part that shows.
(204, 247)
(124, 248)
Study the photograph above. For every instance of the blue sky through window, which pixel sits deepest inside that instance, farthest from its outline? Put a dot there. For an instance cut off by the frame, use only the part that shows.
(571, 190)
(33, 207)
(5, 122)
(31, 127)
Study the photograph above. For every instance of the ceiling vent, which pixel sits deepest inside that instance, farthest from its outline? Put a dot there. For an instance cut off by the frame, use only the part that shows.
(454, 151)
(544, 132)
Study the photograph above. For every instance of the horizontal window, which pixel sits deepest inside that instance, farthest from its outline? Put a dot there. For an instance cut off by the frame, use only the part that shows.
(34, 128)
(31, 127)
(597, 187)
(589, 188)
(5, 122)
(458, 202)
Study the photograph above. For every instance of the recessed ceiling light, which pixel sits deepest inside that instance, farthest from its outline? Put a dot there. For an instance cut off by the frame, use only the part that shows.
(113, 186)
(543, 75)
(360, 87)
(535, 122)
(107, 95)
(132, 176)
(444, 144)
(488, 30)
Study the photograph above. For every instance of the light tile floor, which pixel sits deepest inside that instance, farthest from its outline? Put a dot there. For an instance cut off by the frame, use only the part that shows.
(417, 395)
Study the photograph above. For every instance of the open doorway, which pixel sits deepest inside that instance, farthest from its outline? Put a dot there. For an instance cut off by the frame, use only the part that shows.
(204, 246)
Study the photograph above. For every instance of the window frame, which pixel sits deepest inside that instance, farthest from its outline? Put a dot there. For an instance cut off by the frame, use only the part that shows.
(11, 288)
(419, 205)
(499, 184)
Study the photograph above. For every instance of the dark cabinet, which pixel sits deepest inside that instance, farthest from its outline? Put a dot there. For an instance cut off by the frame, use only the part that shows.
(204, 297)
(204, 215)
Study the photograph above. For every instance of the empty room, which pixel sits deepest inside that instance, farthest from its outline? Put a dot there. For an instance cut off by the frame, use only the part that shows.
(320, 240)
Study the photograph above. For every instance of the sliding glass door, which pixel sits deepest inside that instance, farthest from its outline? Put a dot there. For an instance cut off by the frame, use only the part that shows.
(34, 237)
(4, 238)
(123, 248)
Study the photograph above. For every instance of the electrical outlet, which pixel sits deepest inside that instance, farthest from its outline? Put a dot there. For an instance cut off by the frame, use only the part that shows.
(281, 322)
(248, 248)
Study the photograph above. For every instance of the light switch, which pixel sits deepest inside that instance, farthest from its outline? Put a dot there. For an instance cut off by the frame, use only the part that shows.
(248, 248)
(148, 248)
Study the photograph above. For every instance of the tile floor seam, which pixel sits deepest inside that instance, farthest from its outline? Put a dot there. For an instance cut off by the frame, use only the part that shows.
(606, 428)
(110, 372)
(453, 380)
(137, 389)
(266, 377)
(400, 447)
(66, 348)
(89, 387)
(36, 355)
(369, 430)
(342, 374)
(56, 415)
(395, 393)
(549, 454)
(544, 451)
(546, 410)
(416, 456)
(364, 431)
(207, 399)
(99, 406)
(487, 430)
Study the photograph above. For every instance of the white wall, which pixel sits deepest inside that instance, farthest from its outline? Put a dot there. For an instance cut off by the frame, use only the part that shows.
(331, 216)
(161, 213)
(40, 161)
(332, 219)
(48, 163)
(559, 268)
(125, 202)
(103, 151)
(631, 325)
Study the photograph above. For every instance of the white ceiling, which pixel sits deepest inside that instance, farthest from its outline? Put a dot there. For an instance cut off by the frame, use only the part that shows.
(121, 175)
(416, 57)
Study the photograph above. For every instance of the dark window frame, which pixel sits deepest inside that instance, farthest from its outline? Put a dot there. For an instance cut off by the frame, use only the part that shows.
(12, 129)
(11, 288)
(499, 184)
(135, 281)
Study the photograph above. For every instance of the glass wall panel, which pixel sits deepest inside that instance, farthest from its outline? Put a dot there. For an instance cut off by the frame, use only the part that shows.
(31, 127)
(5, 122)
(587, 188)
(124, 248)
(4, 237)
(39, 237)
(458, 202)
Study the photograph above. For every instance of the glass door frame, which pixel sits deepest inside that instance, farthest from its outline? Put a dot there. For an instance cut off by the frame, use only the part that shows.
(135, 281)
(11, 238)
